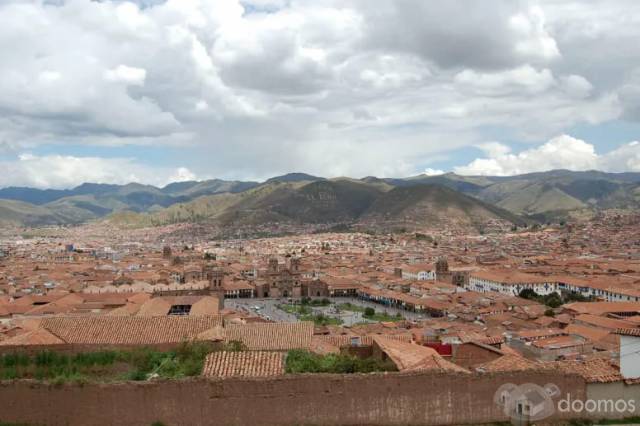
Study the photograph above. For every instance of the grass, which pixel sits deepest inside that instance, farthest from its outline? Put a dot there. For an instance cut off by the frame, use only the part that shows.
(350, 307)
(369, 313)
(304, 313)
(109, 365)
(382, 317)
(315, 302)
(321, 319)
(301, 361)
(295, 309)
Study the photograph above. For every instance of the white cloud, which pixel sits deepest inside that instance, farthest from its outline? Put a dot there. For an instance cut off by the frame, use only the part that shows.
(253, 88)
(58, 171)
(524, 79)
(127, 75)
(561, 152)
(433, 172)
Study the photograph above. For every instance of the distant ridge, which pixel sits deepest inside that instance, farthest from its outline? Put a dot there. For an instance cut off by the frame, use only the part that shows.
(541, 196)
(294, 177)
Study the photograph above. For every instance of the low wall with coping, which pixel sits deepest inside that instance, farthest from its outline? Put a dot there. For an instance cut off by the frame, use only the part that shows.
(309, 399)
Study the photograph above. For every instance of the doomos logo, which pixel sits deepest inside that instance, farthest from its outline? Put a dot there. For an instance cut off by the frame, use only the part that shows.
(527, 401)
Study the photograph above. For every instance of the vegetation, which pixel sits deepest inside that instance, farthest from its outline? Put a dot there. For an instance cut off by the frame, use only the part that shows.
(301, 361)
(295, 309)
(553, 300)
(315, 302)
(305, 313)
(371, 314)
(108, 365)
(321, 319)
(350, 307)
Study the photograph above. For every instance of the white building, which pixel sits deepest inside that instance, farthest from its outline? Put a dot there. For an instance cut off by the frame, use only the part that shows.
(629, 352)
(419, 272)
(510, 283)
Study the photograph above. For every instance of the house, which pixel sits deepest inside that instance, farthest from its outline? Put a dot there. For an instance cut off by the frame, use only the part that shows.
(629, 352)
(224, 364)
(418, 272)
(510, 282)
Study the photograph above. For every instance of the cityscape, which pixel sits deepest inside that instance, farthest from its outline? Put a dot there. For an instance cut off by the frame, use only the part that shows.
(296, 212)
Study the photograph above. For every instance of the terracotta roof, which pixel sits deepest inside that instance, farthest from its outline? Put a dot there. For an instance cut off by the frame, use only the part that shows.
(38, 336)
(271, 336)
(244, 364)
(595, 370)
(346, 340)
(558, 342)
(128, 330)
(413, 357)
(629, 331)
(495, 340)
(603, 322)
(509, 362)
(601, 308)
(200, 305)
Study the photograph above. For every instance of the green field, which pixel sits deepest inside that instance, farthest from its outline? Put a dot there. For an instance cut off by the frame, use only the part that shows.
(108, 365)
(301, 361)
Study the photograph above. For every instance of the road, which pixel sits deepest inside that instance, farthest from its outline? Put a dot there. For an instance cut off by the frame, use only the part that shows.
(267, 308)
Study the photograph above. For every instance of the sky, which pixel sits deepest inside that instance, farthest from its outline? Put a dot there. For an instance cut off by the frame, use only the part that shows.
(159, 91)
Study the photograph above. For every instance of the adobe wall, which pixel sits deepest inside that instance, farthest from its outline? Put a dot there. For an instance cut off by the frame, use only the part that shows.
(375, 399)
(468, 355)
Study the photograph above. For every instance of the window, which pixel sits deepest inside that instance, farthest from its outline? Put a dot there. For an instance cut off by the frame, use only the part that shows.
(180, 310)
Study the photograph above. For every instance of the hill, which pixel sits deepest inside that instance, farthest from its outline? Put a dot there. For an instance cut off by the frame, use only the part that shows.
(434, 204)
(342, 201)
(560, 192)
(303, 198)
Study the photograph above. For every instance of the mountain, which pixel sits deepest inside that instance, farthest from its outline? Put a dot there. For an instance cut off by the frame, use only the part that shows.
(340, 201)
(294, 177)
(303, 198)
(434, 204)
(559, 192)
(19, 213)
(91, 200)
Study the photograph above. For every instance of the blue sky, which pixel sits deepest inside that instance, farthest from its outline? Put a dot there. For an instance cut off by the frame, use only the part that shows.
(155, 91)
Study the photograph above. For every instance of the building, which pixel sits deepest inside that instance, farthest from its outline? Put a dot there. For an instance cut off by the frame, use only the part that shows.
(419, 272)
(629, 352)
(510, 283)
(280, 280)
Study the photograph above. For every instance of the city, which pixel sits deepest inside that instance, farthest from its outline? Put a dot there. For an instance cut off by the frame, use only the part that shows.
(319, 213)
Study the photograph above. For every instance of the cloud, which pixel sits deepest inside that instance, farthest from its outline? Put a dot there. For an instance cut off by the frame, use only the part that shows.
(433, 172)
(58, 171)
(127, 75)
(561, 152)
(525, 79)
(255, 88)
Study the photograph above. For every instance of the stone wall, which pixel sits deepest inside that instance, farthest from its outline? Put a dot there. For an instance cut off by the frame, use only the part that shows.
(373, 399)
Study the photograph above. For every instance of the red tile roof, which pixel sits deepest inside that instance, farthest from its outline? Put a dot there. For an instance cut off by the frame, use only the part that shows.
(244, 364)
(271, 336)
(128, 330)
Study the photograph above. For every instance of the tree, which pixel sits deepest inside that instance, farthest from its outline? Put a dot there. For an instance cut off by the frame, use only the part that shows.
(369, 312)
(528, 293)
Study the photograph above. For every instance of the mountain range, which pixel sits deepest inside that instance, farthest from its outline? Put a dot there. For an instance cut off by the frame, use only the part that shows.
(303, 198)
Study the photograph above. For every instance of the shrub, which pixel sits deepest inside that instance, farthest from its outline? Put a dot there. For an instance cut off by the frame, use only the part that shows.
(369, 312)
(301, 361)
